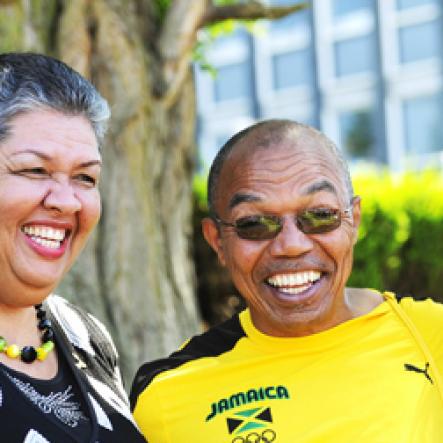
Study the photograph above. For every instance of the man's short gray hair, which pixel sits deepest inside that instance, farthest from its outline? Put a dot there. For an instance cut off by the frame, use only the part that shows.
(272, 132)
(31, 81)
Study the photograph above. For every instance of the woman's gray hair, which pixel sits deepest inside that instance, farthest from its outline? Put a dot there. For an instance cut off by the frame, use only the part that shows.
(31, 81)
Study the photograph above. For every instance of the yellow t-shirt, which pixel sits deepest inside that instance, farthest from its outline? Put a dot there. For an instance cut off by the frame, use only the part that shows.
(365, 380)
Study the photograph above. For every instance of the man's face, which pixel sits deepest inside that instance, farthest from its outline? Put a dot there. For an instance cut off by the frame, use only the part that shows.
(293, 283)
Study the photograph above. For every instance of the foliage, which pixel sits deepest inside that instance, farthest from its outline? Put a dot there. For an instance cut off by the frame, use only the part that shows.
(209, 34)
(10, 30)
(400, 243)
(359, 138)
(161, 7)
(200, 192)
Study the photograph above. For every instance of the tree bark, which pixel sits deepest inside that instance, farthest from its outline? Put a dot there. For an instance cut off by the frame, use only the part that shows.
(136, 273)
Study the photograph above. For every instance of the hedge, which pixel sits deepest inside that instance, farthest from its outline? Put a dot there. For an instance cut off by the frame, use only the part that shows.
(400, 245)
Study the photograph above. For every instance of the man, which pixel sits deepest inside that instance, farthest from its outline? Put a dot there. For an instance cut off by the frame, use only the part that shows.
(309, 360)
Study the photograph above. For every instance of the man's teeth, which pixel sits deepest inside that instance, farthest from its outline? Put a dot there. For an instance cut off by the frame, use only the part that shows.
(45, 236)
(296, 290)
(294, 283)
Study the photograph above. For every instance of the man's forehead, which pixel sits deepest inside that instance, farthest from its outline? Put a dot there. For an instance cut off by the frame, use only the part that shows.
(276, 159)
(260, 162)
(263, 142)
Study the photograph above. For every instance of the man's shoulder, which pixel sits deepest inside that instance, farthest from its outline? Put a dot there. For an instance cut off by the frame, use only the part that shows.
(427, 318)
(211, 343)
(422, 310)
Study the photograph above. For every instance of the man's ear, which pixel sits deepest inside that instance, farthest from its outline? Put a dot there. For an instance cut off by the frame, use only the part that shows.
(212, 236)
(356, 215)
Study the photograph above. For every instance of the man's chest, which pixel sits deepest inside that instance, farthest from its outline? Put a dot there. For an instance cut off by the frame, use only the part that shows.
(359, 394)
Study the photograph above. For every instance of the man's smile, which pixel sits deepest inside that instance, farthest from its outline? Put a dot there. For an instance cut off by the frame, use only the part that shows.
(294, 282)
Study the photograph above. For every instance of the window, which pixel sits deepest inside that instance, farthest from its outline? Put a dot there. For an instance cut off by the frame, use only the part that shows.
(404, 4)
(419, 42)
(357, 133)
(221, 139)
(343, 7)
(292, 69)
(233, 82)
(355, 55)
(208, 151)
(422, 124)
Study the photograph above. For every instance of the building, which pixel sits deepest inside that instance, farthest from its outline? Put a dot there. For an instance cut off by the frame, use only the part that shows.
(368, 73)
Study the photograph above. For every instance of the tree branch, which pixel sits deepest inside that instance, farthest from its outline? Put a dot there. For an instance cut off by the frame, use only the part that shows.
(185, 18)
(176, 41)
(250, 10)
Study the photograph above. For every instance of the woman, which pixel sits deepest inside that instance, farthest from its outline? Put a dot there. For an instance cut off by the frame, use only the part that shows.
(59, 380)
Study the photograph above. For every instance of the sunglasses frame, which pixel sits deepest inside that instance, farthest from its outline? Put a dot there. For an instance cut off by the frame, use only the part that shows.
(345, 213)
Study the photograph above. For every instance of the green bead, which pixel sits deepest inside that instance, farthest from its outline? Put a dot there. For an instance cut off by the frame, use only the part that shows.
(48, 346)
(3, 344)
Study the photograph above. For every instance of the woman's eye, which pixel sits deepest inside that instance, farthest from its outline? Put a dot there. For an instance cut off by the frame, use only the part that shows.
(38, 171)
(87, 179)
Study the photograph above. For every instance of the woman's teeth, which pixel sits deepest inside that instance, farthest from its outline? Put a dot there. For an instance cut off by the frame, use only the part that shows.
(45, 235)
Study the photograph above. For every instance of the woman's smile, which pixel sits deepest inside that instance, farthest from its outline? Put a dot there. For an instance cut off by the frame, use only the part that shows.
(49, 240)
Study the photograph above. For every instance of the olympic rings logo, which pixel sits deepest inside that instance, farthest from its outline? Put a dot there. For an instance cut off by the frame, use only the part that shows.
(267, 436)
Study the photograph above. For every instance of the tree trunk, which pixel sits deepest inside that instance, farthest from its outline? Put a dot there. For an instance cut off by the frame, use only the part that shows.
(135, 274)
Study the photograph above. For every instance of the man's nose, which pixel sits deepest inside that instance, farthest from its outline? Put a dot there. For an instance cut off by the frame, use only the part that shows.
(290, 241)
(61, 196)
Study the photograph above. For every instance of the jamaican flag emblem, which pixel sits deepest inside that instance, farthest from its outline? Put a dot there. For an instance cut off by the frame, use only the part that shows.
(249, 419)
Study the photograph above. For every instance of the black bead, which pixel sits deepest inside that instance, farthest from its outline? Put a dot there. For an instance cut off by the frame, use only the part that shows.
(38, 306)
(28, 354)
(48, 335)
(41, 314)
(44, 324)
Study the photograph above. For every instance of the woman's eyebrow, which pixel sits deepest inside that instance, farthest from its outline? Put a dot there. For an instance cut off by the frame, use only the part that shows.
(90, 163)
(32, 151)
(44, 156)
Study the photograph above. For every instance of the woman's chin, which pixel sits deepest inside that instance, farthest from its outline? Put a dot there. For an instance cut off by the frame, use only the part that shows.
(44, 280)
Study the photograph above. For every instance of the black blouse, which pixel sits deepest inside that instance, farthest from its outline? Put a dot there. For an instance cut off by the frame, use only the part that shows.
(84, 403)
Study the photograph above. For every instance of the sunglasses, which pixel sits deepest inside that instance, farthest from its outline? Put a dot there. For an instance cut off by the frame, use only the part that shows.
(266, 227)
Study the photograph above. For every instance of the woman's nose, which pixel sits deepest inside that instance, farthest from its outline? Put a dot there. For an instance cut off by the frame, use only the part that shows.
(62, 197)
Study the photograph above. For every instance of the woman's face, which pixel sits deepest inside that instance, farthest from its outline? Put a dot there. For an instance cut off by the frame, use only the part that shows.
(49, 200)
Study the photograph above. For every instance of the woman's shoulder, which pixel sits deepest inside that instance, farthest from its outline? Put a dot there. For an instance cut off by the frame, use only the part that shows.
(81, 328)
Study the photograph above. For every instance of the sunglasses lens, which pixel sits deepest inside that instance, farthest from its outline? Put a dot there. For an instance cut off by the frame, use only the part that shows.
(266, 227)
(318, 221)
(258, 227)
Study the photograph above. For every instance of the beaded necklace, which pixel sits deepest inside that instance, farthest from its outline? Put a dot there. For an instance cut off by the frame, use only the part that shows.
(28, 354)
